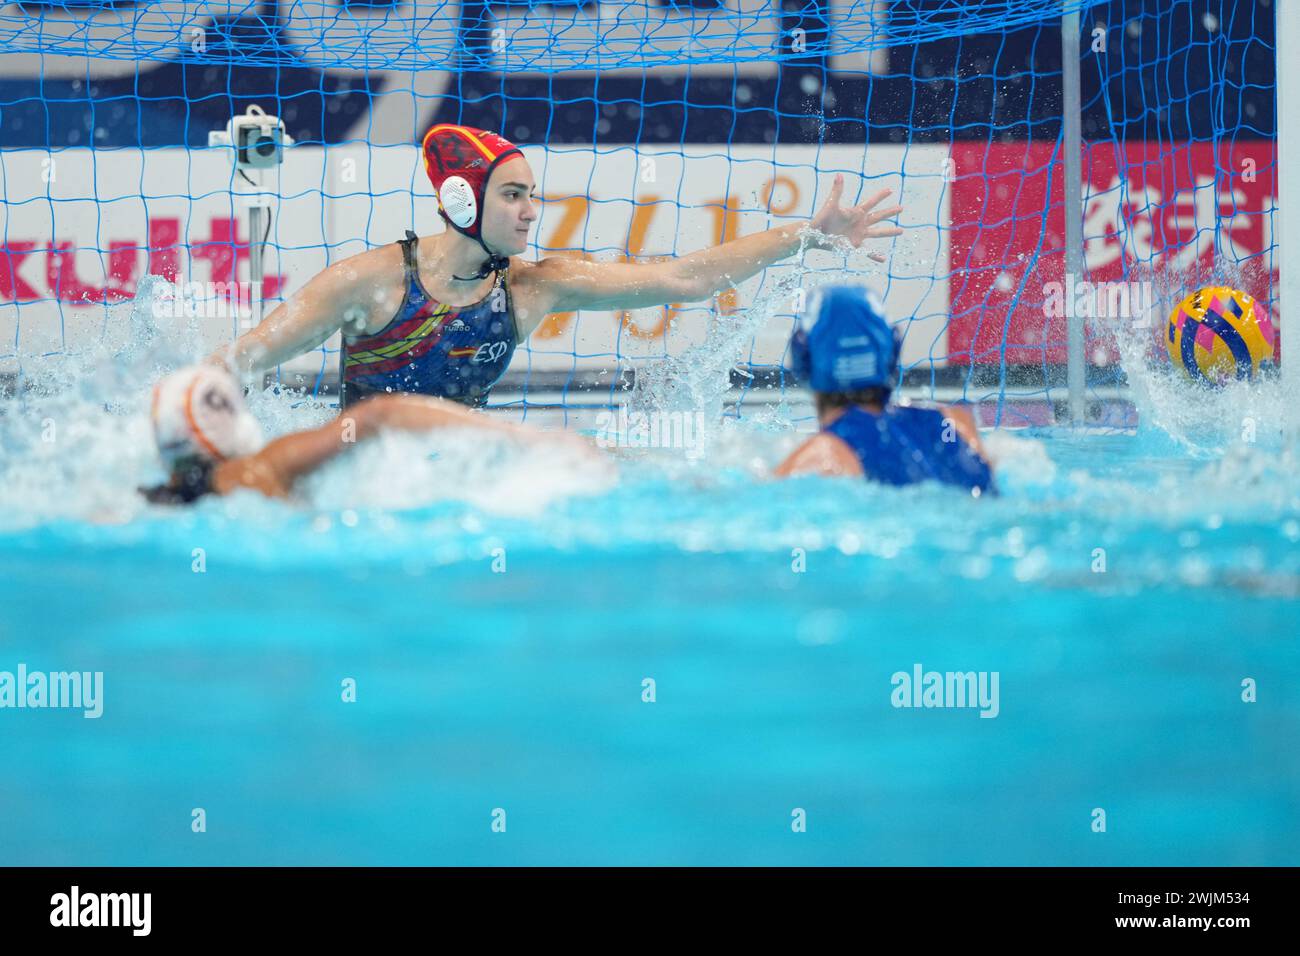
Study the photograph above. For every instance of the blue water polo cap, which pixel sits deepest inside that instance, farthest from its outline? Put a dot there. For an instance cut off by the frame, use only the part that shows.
(842, 342)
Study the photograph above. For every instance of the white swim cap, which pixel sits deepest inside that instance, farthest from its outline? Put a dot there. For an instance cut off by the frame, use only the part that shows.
(199, 412)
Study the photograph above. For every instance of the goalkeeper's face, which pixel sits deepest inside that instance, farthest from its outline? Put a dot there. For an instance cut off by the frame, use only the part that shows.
(509, 208)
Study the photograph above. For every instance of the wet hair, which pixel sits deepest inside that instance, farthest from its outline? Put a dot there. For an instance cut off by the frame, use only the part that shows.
(826, 401)
(191, 479)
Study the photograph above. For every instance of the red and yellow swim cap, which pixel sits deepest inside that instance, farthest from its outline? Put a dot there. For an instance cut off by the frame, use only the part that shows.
(459, 160)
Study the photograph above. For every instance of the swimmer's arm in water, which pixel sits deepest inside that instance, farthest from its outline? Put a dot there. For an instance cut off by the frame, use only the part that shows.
(345, 291)
(567, 284)
(822, 454)
(274, 470)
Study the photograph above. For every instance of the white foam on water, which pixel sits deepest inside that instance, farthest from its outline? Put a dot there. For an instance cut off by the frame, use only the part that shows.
(75, 438)
(1200, 420)
(697, 381)
(1018, 460)
(495, 474)
(76, 442)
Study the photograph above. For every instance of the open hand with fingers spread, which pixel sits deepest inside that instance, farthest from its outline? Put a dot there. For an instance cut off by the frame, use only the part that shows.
(856, 223)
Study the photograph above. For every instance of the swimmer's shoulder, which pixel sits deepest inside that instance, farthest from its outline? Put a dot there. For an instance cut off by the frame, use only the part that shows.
(963, 421)
(373, 281)
(535, 275)
(535, 289)
(382, 263)
(822, 454)
(960, 415)
(557, 271)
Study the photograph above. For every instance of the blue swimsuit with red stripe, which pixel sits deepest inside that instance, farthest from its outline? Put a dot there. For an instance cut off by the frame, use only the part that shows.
(430, 348)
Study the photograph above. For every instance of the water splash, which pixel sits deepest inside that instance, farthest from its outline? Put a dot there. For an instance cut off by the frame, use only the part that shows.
(1199, 420)
(697, 381)
(459, 493)
(75, 434)
(75, 440)
(406, 471)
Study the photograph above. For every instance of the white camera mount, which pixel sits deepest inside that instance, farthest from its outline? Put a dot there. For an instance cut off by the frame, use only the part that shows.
(257, 140)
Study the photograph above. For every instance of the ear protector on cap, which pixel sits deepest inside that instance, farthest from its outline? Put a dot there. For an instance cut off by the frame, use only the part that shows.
(456, 196)
(459, 160)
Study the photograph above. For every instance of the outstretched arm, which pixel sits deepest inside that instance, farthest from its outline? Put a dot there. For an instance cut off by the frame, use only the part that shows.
(345, 292)
(275, 468)
(581, 284)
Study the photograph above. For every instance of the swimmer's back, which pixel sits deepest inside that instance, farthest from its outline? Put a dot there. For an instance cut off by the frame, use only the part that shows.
(905, 444)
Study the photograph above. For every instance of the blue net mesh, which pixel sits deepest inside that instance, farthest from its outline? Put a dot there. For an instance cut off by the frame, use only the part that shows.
(746, 108)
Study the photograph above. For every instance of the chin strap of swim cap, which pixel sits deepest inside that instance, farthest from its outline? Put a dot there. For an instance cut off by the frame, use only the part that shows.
(494, 263)
(459, 160)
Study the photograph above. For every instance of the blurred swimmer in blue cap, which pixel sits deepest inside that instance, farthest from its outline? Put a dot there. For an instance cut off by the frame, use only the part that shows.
(846, 352)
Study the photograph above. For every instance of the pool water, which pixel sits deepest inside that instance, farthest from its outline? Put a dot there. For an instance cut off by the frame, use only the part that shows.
(502, 611)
